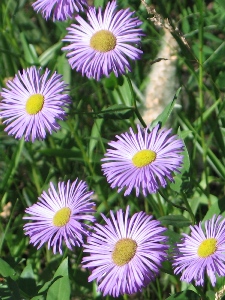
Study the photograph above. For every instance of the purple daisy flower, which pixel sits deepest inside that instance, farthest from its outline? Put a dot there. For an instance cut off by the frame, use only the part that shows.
(59, 214)
(59, 9)
(143, 160)
(126, 253)
(202, 251)
(32, 103)
(103, 45)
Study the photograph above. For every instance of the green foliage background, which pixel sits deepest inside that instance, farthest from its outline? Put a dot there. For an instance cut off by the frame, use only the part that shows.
(99, 111)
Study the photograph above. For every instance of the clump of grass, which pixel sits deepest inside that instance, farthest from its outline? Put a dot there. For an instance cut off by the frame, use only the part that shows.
(99, 111)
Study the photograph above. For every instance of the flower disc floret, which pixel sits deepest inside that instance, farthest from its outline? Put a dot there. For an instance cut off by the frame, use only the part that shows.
(33, 103)
(125, 253)
(104, 43)
(207, 247)
(59, 10)
(143, 160)
(203, 251)
(59, 216)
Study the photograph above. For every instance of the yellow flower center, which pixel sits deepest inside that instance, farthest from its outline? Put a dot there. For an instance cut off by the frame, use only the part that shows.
(62, 217)
(34, 104)
(143, 158)
(124, 251)
(207, 247)
(103, 41)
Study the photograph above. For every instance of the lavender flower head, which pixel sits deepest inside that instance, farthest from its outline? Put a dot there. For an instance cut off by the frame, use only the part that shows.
(59, 216)
(143, 160)
(125, 253)
(104, 44)
(203, 251)
(32, 103)
(59, 9)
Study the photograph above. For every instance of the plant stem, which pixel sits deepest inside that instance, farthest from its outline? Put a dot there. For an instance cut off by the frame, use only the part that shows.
(188, 207)
(200, 4)
(82, 149)
(134, 103)
(170, 202)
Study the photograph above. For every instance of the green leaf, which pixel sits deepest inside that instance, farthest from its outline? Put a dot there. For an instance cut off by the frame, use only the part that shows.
(46, 286)
(217, 208)
(163, 117)
(29, 50)
(220, 79)
(67, 153)
(117, 111)
(95, 137)
(39, 297)
(60, 289)
(63, 68)
(211, 295)
(119, 90)
(11, 170)
(49, 54)
(111, 82)
(182, 179)
(167, 268)
(186, 161)
(185, 295)
(62, 269)
(174, 237)
(14, 289)
(177, 221)
(8, 56)
(176, 185)
(207, 113)
(185, 25)
(27, 282)
(7, 271)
